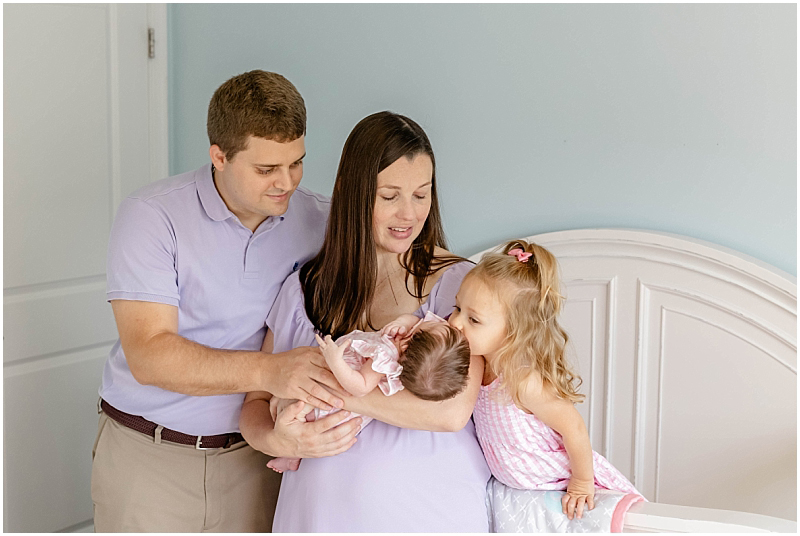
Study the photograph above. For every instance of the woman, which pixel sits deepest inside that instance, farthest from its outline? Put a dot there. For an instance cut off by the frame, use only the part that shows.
(383, 256)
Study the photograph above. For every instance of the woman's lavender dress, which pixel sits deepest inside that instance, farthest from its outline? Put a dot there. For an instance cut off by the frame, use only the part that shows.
(392, 479)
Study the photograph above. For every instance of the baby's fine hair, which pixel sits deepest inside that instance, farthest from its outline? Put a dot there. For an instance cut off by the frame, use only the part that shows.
(436, 366)
(530, 295)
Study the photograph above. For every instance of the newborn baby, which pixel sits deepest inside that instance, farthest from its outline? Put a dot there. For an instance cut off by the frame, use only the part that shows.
(427, 357)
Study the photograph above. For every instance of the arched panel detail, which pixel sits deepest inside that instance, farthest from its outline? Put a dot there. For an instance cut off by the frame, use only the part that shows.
(698, 346)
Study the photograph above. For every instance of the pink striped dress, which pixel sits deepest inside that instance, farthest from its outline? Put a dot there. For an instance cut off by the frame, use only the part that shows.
(525, 453)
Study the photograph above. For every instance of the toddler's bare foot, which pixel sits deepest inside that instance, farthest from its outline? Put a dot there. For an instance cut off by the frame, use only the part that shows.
(280, 465)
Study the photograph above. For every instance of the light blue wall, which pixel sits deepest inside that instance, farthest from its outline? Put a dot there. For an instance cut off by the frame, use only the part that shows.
(679, 118)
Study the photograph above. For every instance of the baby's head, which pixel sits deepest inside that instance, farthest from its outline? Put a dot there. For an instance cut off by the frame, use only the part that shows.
(435, 362)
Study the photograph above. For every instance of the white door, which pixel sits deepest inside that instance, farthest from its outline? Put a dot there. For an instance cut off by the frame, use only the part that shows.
(84, 124)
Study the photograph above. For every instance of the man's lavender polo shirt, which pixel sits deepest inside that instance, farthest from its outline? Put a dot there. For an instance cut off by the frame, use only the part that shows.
(176, 242)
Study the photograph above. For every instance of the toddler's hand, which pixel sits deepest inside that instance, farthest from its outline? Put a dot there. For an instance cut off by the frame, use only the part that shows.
(579, 493)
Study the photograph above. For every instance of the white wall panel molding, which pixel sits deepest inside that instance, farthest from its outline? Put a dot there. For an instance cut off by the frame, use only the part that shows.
(78, 80)
(737, 313)
(58, 319)
(610, 336)
(93, 352)
(641, 375)
(157, 73)
(22, 292)
(587, 372)
(50, 423)
(56, 199)
(680, 251)
(114, 161)
(596, 340)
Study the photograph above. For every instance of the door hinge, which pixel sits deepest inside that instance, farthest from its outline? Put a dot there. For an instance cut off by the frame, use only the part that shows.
(151, 43)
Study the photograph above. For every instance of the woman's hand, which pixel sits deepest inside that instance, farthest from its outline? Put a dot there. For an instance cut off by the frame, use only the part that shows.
(290, 435)
(579, 493)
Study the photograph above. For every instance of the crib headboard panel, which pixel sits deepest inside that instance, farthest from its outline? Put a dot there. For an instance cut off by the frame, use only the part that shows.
(688, 353)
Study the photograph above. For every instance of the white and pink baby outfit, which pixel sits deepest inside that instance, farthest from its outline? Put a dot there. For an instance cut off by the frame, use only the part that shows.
(383, 352)
(364, 345)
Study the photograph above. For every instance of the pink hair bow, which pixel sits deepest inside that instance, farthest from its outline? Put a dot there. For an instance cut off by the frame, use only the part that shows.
(520, 255)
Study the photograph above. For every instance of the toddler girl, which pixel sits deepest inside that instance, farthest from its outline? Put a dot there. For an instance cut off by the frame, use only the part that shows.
(428, 357)
(525, 417)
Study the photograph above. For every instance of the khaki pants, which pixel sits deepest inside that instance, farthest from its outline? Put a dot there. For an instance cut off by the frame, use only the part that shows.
(144, 485)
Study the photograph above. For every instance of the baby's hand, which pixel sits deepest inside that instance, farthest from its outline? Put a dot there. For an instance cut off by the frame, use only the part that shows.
(579, 493)
(277, 405)
(330, 350)
(395, 329)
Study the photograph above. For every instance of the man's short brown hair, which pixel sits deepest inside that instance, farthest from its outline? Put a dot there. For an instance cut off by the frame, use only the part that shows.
(257, 103)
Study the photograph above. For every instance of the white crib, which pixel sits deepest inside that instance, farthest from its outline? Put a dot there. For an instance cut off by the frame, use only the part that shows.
(688, 352)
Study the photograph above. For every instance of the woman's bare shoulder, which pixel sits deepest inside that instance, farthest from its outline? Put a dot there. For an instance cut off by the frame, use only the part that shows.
(441, 253)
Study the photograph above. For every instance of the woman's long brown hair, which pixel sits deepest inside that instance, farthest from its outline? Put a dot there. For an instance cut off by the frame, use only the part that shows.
(339, 283)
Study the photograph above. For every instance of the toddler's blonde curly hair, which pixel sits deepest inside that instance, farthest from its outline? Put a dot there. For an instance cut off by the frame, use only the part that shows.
(535, 340)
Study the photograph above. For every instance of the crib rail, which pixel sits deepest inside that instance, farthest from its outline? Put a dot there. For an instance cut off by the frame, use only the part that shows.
(657, 517)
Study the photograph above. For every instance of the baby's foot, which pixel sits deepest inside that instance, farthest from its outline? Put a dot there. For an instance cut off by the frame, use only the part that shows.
(280, 465)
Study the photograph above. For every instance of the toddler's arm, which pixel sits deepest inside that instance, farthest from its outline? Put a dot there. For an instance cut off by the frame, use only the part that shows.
(401, 326)
(355, 382)
(561, 416)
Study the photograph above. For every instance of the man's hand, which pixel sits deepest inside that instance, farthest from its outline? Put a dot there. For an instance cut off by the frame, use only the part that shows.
(298, 374)
(293, 437)
(579, 493)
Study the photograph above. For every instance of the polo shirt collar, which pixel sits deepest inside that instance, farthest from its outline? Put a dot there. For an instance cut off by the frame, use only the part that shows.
(212, 202)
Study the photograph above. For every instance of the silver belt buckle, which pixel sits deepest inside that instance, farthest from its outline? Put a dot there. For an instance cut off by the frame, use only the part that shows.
(197, 444)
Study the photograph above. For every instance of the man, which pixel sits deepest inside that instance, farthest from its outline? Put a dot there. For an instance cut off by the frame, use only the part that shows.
(195, 263)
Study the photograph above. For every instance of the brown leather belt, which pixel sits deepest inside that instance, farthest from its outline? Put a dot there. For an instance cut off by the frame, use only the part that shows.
(140, 424)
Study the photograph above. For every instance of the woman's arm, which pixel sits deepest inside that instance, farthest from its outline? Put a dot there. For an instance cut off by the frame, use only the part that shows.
(407, 411)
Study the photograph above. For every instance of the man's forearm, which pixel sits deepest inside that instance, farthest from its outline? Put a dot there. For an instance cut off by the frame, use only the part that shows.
(174, 363)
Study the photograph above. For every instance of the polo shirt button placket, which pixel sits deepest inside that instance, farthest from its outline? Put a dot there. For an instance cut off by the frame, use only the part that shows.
(250, 271)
